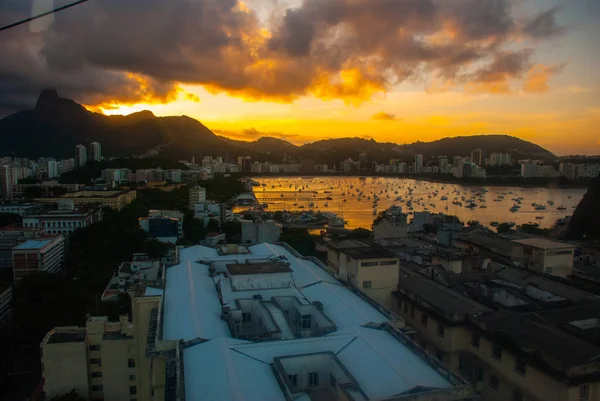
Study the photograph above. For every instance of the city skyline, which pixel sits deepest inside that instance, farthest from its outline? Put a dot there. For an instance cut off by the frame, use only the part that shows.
(391, 71)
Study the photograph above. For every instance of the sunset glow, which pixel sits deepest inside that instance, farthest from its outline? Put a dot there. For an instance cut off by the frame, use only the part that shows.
(309, 70)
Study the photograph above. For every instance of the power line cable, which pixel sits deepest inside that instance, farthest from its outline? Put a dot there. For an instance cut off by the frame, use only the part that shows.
(57, 9)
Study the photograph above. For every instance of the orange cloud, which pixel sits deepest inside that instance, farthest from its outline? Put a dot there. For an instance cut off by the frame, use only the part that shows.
(351, 85)
(383, 116)
(495, 87)
(538, 76)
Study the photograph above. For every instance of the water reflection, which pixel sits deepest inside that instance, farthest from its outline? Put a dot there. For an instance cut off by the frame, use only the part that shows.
(358, 199)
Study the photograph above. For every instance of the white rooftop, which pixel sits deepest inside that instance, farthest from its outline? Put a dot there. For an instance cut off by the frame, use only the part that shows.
(224, 368)
(241, 370)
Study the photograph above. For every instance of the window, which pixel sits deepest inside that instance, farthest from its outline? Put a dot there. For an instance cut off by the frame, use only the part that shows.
(246, 317)
(494, 383)
(94, 347)
(293, 379)
(97, 361)
(96, 374)
(348, 259)
(306, 321)
(131, 377)
(520, 365)
(131, 363)
(439, 354)
(475, 340)
(517, 396)
(313, 379)
(424, 320)
(366, 284)
(584, 391)
(497, 352)
(97, 388)
(387, 263)
(368, 264)
(440, 330)
(132, 390)
(332, 381)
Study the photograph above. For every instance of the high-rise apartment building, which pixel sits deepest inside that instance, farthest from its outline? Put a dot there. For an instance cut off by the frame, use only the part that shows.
(418, 164)
(52, 169)
(478, 156)
(95, 152)
(80, 155)
(197, 195)
(8, 179)
(443, 163)
(363, 161)
(500, 159)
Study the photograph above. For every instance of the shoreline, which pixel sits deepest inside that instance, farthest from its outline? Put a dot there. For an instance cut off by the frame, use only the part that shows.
(497, 182)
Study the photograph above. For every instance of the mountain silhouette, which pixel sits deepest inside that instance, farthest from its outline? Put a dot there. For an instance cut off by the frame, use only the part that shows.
(56, 125)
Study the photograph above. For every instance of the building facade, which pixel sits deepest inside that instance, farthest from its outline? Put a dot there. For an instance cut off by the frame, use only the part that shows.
(114, 199)
(254, 232)
(80, 155)
(45, 254)
(95, 152)
(544, 256)
(99, 361)
(197, 195)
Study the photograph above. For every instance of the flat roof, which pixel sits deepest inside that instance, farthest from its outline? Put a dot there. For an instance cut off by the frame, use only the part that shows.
(444, 300)
(369, 252)
(58, 337)
(542, 243)
(257, 268)
(33, 244)
(193, 300)
(381, 365)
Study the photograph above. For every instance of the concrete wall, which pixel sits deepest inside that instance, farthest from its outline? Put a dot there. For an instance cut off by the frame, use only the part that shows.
(116, 372)
(142, 308)
(380, 276)
(65, 368)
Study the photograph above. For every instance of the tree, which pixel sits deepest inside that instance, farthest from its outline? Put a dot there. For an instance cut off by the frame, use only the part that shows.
(9, 218)
(473, 223)
(212, 226)
(504, 228)
(154, 248)
(232, 230)
(193, 228)
(278, 216)
(361, 233)
(301, 240)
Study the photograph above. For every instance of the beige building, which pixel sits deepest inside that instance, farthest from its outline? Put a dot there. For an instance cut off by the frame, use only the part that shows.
(99, 361)
(364, 265)
(114, 199)
(544, 256)
(509, 356)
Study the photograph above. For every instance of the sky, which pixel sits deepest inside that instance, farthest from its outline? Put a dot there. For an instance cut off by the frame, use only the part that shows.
(304, 70)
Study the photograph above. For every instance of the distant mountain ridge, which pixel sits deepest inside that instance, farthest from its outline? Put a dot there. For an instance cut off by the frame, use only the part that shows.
(56, 125)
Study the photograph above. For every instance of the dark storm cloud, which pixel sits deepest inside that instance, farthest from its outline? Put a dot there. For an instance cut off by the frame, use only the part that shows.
(543, 25)
(507, 64)
(140, 50)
